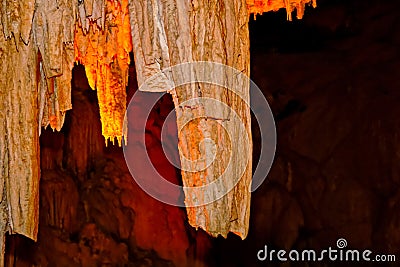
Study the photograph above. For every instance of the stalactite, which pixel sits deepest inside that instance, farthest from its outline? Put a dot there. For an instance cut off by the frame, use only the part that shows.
(36, 57)
(53, 34)
(171, 32)
(19, 144)
(261, 6)
(102, 45)
(34, 91)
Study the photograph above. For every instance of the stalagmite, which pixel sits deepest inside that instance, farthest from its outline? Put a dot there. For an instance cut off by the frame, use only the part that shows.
(102, 45)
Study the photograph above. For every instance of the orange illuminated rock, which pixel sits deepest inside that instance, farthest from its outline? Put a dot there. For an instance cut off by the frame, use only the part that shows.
(261, 6)
(168, 33)
(104, 51)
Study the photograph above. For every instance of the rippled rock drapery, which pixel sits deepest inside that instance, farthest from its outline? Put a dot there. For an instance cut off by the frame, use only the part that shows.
(172, 32)
(35, 49)
(19, 137)
(102, 45)
(53, 35)
(37, 56)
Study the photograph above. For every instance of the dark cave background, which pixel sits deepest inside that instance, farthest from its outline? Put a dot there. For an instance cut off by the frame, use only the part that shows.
(332, 81)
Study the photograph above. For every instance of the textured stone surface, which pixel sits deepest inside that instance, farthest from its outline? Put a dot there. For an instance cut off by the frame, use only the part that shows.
(338, 68)
(19, 147)
(214, 146)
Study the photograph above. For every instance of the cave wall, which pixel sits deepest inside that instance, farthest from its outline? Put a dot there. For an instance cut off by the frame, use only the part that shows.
(332, 82)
